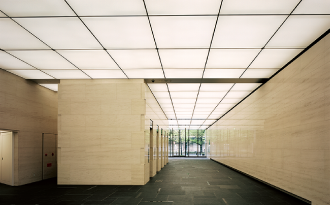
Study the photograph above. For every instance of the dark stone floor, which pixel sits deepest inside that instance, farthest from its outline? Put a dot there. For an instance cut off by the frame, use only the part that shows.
(181, 181)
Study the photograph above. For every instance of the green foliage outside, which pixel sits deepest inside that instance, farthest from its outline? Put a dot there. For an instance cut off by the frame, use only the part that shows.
(192, 133)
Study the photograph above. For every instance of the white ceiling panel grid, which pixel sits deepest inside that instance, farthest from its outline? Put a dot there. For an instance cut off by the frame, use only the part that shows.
(300, 31)
(259, 73)
(129, 59)
(121, 32)
(183, 73)
(183, 58)
(113, 73)
(67, 74)
(116, 39)
(223, 73)
(245, 86)
(207, 101)
(89, 59)
(217, 95)
(184, 95)
(225, 100)
(158, 87)
(231, 58)
(183, 87)
(16, 8)
(60, 33)
(237, 94)
(183, 7)
(107, 7)
(13, 36)
(161, 94)
(274, 58)
(9, 62)
(313, 7)
(31, 74)
(43, 59)
(183, 31)
(245, 31)
(144, 73)
(216, 86)
(258, 6)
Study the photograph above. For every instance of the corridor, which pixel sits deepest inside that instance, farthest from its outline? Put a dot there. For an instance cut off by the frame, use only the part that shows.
(182, 181)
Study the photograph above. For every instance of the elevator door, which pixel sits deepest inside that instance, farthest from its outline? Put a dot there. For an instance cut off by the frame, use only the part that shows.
(49, 162)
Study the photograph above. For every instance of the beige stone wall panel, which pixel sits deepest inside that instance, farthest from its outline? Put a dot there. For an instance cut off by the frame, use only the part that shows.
(282, 133)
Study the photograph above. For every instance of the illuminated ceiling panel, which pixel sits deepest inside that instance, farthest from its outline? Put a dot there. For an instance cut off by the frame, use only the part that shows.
(89, 59)
(300, 31)
(107, 7)
(223, 73)
(35, 8)
(181, 40)
(183, 31)
(274, 58)
(60, 33)
(67, 74)
(216, 86)
(231, 58)
(158, 87)
(103, 74)
(183, 86)
(245, 86)
(9, 62)
(183, 73)
(31, 74)
(121, 32)
(245, 31)
(313, 7)
(259, 73)
(136, 58)
(144, 73)
(12, 36)
(258, 6)
(43, 59)
(183, 7)
(183, 58)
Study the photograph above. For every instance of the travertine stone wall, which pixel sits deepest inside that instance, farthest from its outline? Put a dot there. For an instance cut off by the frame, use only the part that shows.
(281, 133)
(32, 110)
(155, 113)
(104, 134)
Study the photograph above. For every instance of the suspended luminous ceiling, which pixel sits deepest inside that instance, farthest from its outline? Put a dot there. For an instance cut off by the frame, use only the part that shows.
(161, 39)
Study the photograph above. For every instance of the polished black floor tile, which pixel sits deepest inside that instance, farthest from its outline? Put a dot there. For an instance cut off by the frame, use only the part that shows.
(181, 181)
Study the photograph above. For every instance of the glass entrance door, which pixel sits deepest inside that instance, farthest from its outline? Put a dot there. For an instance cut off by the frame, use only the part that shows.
(187, 143)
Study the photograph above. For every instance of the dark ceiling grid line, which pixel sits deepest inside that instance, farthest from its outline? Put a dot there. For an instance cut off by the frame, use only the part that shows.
(95, 37)
(157, 100)
(251, 64)
(121, 49)
(207, 57)
(219, 103)
(270, 38)
(25, 63)
(45, 44)
(165, 15)
(286, 65)
(160, 60)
